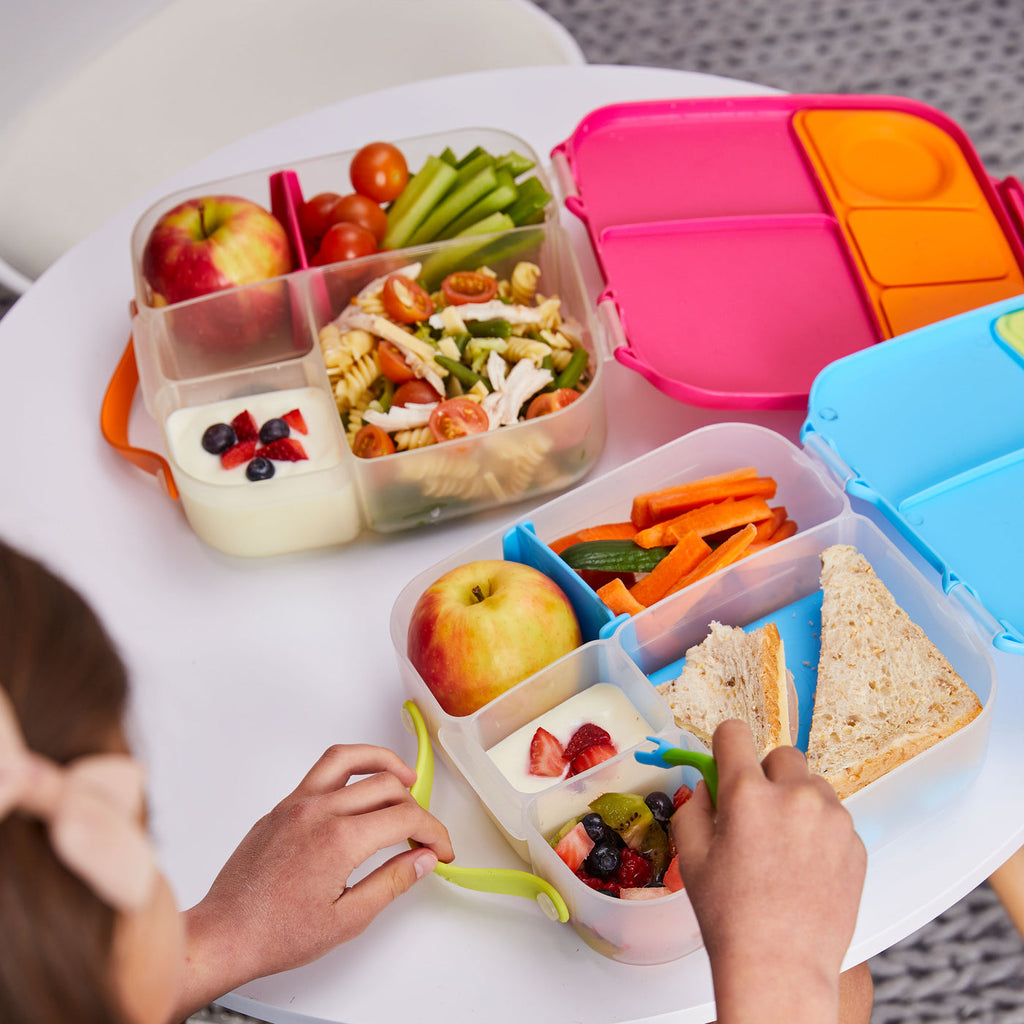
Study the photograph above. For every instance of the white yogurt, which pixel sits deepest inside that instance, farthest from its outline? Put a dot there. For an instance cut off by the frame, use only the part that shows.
(603, 704)
(184, 432)
(306, 504)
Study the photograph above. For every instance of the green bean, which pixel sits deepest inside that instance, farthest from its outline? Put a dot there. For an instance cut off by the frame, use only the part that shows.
(570, 376)
(464, 374)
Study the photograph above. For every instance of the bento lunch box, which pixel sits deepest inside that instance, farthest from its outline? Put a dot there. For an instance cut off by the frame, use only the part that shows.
(926, 429)
(257, 347)
(747, 242)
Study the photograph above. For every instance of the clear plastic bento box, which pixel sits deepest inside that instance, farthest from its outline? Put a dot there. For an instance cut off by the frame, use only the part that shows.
(634, 653)
(272, 348)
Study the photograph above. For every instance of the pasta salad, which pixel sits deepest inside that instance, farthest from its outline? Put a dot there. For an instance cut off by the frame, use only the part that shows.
(411, 369)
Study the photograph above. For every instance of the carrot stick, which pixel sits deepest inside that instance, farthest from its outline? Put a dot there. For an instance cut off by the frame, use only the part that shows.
(608, 531)
(640, 513)
(787, 529)
(668, 506)
(716, 517)
(618, 598)
(725, 554)
(766, 527)
(683, 558)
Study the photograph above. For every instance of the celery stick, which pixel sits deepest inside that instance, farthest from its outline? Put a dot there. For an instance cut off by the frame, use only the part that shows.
(455, 202)
(532, 199)
(439, 265)
(515, 163)
(501, 196)
(449, 157)
(473, 168)
(413, 188)
(404, 222)
(495, 222)
(471, 155)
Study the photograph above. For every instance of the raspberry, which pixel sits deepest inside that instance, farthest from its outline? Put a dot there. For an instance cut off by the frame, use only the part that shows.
(635, 871)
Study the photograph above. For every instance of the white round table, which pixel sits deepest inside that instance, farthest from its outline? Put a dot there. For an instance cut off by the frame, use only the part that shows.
(244, 671)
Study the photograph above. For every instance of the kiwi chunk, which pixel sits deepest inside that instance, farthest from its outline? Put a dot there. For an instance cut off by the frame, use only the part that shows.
(627, 813)
(565, 830)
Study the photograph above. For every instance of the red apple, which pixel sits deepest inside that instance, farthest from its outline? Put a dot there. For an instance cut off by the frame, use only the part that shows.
(485, 626)
(211, 243)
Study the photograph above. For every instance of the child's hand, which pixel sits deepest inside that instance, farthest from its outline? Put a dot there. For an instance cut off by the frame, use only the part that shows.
(283, 898)
(774, 875)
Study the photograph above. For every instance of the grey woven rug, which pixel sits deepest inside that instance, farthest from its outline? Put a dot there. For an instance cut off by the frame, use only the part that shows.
(963, 56)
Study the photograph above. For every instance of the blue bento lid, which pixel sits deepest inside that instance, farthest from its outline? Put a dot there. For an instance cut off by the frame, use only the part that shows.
(929, 428)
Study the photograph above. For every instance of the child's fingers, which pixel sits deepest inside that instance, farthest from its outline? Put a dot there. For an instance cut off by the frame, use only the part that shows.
(785, 764)
(734, 750)
(693, 827)
(340, 762)
(362, 902)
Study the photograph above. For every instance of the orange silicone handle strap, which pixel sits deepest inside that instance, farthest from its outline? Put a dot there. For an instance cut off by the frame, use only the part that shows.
(115, 414)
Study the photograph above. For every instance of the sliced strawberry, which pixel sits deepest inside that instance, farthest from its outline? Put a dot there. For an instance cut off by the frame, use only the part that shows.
(591, 756)
(585, 736)
(238, 453)
(245, 426)
(546, 755)
(673, 880)
(634, 871)
(644, 892)
(284, 449)
(574, 847)
(296, 421)
(681, 795)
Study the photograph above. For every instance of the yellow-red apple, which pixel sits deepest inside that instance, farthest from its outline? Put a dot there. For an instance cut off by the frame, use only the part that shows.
(485, 626)
(210, 243)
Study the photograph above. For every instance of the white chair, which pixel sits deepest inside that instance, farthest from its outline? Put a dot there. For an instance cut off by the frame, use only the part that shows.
(105, 98)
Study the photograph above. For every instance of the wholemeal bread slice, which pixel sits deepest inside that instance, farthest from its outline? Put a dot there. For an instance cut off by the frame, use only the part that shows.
(733, 674)
(885, 692)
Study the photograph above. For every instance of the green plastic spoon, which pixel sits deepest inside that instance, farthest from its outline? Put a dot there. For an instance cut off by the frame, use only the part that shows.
(666, 755)
(504, 881)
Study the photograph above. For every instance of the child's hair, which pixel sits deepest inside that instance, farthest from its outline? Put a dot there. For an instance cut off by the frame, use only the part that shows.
(68, 687)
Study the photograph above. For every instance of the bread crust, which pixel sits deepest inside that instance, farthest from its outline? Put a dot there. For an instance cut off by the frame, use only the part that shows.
(885, 692)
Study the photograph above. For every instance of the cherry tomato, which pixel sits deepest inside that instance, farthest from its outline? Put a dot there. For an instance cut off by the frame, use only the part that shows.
(457, 417)
(379, 171)
(371, 442)
(346, 241)
(315, 217)
(357, 209)
(417, 392)
(468, 286)
(405, 300)
(393, 364)
(551, 401)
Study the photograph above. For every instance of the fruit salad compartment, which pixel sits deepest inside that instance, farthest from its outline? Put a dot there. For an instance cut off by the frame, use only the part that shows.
(634, 653)
(214, 355)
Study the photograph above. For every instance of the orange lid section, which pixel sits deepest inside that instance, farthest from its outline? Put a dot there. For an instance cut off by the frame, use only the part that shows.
(914, 212)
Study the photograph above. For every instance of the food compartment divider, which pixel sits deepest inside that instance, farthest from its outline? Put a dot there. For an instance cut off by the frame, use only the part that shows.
(466, 743)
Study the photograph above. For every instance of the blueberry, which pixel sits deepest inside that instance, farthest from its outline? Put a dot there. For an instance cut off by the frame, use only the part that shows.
(274, 430)
(259, 469)
(660, 804)
(603, 861)
(595, 826)
(218, 438)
